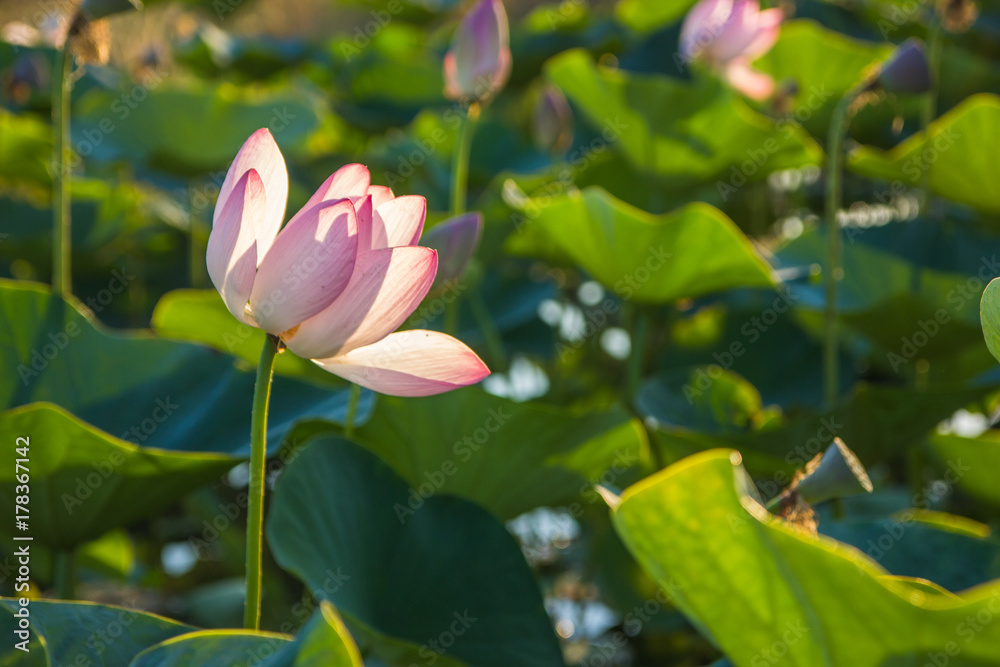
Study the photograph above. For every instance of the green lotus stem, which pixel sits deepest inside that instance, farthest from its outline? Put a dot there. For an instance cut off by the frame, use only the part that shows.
(258, 465)
(494, 341)
(839, 124)
(459, 185)
(352, 409)
(928, 111)
(640, 331)
(451, 317)
(460, 163)
(62, 91)
(63, 574)
(196, 249)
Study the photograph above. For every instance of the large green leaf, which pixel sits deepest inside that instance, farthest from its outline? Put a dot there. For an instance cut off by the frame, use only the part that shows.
(85, 482)
(761, 588)
(954, 157)
(989, 315)
(217, 647)
(82, 633)
(154, 392)
(508, 457)
(187, 130)
(656, 259)
(693, 132)
(323, 642)
(447, 584)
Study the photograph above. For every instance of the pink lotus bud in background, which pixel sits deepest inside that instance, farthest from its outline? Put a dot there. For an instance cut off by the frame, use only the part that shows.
(456, 241)
(477, 65)
(552, 121)
(727, 35)
(907, 69)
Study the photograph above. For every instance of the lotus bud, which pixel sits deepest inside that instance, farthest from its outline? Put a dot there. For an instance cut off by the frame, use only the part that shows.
(838, 473)
(906, 70)
(552, 120)
(456, 241)
(478, 63)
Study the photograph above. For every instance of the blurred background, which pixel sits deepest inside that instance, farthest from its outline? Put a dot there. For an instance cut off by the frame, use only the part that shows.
(165, 97)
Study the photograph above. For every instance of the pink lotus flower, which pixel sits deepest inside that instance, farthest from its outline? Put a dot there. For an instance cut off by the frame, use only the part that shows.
(338, 279)
(478, 63)
(727, 35)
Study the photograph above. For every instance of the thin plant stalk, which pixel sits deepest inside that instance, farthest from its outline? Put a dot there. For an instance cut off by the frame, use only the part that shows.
(839, 124)
(196, 247)
(640, 330)
(63, 574)
(459, 188)
(460, 162)
(928, 110)
(62, 90)
(352, 410)
(258, 464)
(494, 340)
